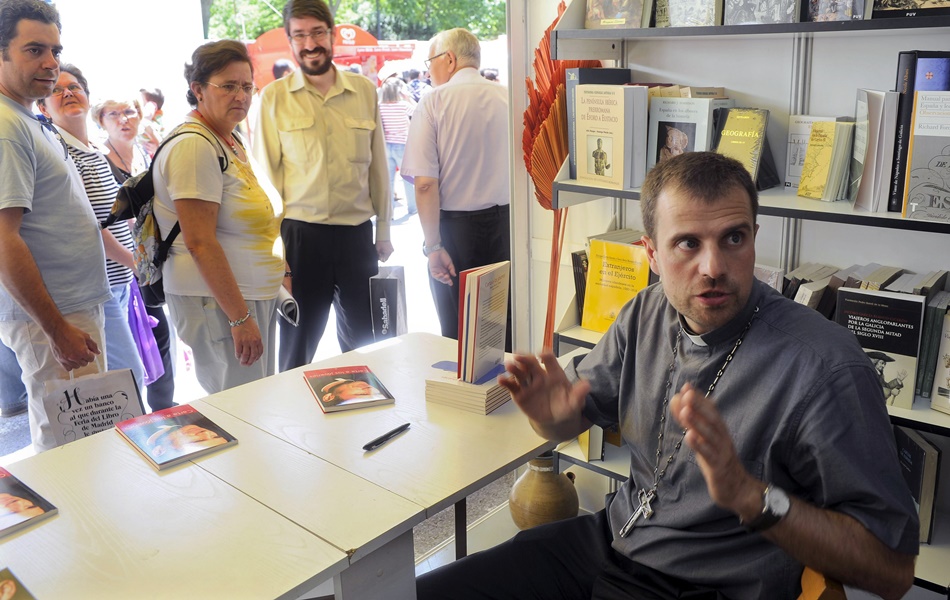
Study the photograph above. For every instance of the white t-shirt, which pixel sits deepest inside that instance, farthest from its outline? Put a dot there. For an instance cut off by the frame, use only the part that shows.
(248, 227)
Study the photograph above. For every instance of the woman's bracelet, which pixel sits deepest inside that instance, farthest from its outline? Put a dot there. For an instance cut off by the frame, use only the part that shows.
(242, 320)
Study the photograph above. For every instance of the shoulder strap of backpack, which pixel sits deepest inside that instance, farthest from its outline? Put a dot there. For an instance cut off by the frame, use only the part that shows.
(166, 245)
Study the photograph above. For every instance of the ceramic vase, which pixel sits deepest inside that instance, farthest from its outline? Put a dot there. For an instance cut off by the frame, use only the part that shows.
(542, 495)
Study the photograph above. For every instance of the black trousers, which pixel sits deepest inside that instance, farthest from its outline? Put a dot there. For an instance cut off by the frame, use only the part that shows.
(473, 239)
(161, 392)
(566, 560)
(332, 265)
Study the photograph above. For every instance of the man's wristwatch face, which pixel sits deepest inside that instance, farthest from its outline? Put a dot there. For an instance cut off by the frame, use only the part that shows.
(427, 250)
(775, 506)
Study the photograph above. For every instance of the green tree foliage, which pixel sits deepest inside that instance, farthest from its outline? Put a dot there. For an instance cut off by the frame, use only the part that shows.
(398, 19)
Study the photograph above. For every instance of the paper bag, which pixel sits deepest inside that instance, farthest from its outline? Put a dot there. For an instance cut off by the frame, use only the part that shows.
(81, 406)
(387, 292)
(287, 307)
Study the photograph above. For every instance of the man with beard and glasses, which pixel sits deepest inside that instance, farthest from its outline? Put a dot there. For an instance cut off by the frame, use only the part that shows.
(52, 262)
(320, 139)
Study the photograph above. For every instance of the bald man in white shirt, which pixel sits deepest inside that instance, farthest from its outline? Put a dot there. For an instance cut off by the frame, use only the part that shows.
(457, 155)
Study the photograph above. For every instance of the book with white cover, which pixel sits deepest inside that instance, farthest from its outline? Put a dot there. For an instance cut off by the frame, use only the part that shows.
(679, 125)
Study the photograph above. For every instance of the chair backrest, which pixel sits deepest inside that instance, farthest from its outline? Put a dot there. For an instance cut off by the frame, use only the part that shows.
(816, 586)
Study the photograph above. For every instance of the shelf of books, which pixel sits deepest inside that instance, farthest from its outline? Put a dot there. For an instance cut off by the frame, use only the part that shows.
(778, 202)
(570, 31)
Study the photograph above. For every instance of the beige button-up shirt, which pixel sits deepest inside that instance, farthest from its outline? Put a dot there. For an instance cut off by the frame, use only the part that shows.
(325, 154)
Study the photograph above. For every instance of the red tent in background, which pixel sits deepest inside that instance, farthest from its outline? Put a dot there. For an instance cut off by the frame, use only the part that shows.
(351, 45)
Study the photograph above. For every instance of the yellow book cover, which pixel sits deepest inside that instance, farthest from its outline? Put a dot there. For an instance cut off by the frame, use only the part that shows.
(817, 160)
(742, 136)
(617, 272)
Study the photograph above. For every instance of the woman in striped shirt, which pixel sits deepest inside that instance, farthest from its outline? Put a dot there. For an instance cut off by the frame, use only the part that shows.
(68, 109)
(395, 110)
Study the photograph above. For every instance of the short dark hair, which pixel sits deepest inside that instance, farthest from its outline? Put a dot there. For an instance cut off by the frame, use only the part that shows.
(297, 9)
(154, 95)
(282, 66)
(75, 72)
(209, 58)
(705, 176)
(14, 11)
(413, 74)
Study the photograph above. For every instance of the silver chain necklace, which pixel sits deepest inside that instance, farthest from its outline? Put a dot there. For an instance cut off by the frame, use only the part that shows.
(646, 497)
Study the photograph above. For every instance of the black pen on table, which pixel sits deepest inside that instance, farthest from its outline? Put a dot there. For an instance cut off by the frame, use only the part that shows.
(376, 443)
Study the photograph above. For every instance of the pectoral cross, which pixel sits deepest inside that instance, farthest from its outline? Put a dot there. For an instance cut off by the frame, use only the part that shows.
(644, 510)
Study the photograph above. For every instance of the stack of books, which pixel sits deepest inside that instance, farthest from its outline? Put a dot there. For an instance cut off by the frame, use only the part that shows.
(477, 398)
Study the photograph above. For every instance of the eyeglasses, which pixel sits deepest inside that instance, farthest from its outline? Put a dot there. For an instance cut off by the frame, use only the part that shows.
(428, 61)
(74, 88)
(129, 113)
(232, 89)
(316, 35)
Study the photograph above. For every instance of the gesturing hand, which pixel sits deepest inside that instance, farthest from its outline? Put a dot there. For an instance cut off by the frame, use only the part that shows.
(726, 478)
(543, 392)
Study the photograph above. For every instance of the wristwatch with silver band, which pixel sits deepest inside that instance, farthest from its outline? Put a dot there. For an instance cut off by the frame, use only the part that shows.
(427, 250)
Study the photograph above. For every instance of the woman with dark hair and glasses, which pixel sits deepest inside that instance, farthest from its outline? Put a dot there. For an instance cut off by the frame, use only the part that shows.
(68, 108)
(224, 271)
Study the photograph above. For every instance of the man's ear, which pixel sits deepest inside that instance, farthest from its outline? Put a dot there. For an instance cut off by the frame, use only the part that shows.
(651, 254)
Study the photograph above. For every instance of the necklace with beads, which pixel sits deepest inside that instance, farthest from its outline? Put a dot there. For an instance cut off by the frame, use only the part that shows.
(229, 139)
(647, 496)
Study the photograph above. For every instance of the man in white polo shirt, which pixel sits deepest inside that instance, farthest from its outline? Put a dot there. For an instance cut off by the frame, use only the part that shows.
(457, 154)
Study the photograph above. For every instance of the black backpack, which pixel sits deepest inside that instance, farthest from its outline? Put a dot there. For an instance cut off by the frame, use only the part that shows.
(135, 200)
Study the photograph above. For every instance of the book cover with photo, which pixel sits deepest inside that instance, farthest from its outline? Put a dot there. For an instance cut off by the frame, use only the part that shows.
(679, 125)
(611, 132)
(12, 588)
(888, 326)
(346, 388)
(174, 435)
(585, 75)
(20, 506)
